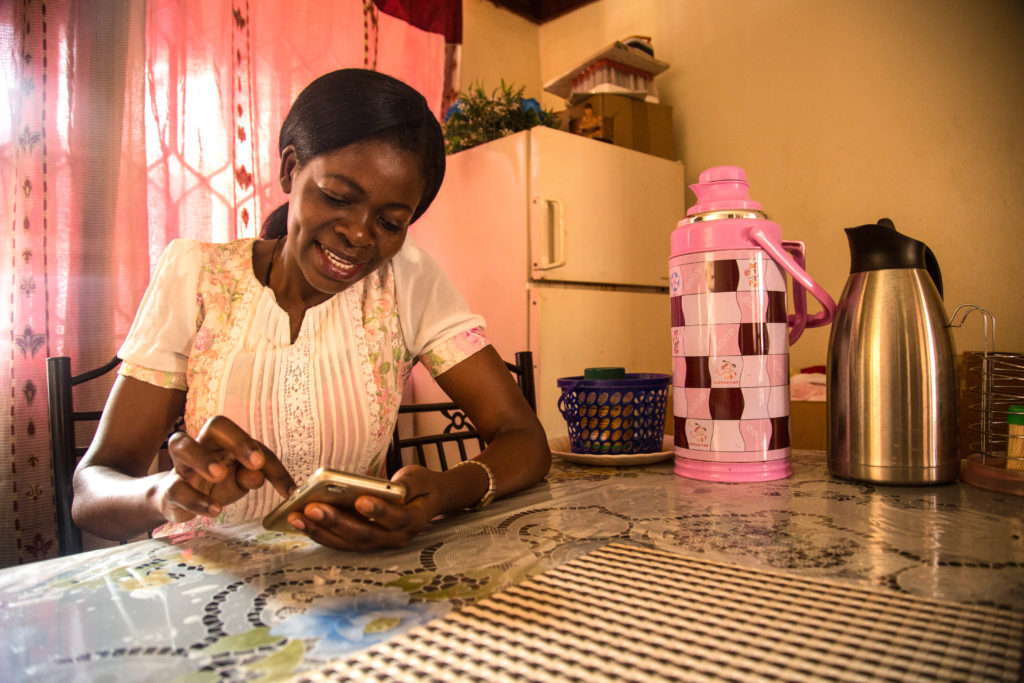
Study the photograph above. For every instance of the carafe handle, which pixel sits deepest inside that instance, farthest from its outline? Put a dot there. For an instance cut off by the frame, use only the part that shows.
(801, 282)
(931, 264)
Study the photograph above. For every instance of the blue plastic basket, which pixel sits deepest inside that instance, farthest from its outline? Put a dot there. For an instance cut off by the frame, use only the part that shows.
(613, 416)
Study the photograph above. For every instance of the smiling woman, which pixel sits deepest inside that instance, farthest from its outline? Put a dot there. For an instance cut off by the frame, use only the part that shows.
(304, 368)
(129, 125)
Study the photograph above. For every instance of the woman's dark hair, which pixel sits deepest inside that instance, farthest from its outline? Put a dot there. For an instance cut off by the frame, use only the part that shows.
(350, 105)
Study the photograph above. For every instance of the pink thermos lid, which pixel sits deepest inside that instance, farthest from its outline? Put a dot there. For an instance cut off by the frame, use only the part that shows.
(723, 216)
(721, 188)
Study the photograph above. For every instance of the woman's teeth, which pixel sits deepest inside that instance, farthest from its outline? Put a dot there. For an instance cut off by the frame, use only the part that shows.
(339, 263)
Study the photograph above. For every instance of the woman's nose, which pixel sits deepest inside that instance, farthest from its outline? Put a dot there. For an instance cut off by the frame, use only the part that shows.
(356, 229)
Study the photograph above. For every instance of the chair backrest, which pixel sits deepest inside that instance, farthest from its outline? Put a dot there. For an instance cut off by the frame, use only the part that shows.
(63, 444)
(458, 431)
(66, 454)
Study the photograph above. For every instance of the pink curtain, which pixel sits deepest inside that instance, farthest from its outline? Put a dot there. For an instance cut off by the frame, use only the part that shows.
(130, 124)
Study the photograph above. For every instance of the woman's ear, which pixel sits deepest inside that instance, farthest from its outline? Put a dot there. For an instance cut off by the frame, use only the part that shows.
(289, 162)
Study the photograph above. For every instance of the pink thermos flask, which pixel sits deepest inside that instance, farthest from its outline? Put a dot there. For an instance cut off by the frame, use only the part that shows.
(731, 333)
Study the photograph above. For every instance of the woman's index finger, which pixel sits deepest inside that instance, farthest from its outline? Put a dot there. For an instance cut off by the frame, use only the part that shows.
(221, 433)
(275, 472)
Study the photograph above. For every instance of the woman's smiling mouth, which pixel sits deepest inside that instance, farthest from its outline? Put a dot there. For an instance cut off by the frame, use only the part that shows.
(338, 267)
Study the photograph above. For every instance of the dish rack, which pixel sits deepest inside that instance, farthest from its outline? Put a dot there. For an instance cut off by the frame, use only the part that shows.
(993, 457)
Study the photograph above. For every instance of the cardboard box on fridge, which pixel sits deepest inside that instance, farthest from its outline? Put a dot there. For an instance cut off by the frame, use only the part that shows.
(624, 121)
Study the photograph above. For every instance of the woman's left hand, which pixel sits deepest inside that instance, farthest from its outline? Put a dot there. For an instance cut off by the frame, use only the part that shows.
(375, 523)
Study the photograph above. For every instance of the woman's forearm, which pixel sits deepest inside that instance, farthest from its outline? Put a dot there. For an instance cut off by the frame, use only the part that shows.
(115, 505)
(517, 459)
(115, 496)
(517, 452)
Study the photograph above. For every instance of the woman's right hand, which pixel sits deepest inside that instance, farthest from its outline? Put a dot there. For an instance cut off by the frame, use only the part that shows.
(215, 469)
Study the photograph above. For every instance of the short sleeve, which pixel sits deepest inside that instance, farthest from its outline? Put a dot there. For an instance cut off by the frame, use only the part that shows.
(157, 347)
(437, 324)
(454, 350)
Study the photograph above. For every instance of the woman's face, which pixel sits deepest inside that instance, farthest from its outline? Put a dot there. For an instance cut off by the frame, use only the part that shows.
(348, 212)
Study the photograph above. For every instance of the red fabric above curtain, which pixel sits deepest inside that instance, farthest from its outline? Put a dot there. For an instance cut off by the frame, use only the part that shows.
(438, 16)
(441, 17)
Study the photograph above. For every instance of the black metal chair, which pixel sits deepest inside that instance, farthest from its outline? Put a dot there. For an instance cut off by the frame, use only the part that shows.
(458, 430)
(63, 446)
(66, 454)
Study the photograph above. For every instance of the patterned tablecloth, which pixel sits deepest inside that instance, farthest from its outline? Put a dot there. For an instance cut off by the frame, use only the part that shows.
(240, 603)
(628, 613)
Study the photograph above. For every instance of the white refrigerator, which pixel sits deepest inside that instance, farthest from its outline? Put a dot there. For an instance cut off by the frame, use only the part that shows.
(562, 244)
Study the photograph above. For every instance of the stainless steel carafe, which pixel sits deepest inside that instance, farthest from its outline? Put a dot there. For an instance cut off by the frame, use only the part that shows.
(892, 377)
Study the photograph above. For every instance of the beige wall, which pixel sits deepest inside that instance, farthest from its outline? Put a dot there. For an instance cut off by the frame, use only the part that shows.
(841, 111)
(496, 45)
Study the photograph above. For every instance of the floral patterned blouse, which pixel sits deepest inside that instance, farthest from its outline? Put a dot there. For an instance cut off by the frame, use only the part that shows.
(330, 399)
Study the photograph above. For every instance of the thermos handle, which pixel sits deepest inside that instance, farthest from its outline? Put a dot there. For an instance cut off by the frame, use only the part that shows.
(800, 277)
(798, 319)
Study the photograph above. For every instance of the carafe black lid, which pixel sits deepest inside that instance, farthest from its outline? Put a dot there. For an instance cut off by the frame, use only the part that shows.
(879, 246)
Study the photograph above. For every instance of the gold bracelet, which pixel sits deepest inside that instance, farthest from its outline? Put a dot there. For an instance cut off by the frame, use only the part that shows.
(492, 489)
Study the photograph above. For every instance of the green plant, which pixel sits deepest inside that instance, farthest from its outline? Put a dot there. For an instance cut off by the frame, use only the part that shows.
(477, 117)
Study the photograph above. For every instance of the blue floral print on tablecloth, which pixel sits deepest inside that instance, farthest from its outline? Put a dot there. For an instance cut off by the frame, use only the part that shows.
(356, 622)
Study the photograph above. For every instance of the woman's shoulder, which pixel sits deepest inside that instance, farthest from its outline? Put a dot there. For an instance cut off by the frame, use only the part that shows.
(413, 262)
(216, 257)
(217, 264)
(189, 247)
(235, 249)
(430, 306)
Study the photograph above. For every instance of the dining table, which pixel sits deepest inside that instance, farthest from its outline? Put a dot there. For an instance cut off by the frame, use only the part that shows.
(617, 571)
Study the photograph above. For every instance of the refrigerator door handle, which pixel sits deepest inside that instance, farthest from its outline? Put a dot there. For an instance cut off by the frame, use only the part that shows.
(554, 221)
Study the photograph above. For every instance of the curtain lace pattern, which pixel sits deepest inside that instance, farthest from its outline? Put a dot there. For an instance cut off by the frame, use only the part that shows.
(129, 125)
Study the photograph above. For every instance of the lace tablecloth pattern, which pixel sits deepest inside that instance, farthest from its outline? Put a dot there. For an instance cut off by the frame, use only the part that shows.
(624, 613)
(239, 603)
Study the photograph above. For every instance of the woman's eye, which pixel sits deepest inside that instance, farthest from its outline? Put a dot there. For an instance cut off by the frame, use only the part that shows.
(389, 225)
(337, 201)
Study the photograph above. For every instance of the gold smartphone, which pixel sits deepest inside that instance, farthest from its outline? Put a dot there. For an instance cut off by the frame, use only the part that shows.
(335, 488)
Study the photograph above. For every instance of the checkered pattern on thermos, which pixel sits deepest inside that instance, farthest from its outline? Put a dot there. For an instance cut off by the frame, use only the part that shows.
(730, 356)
